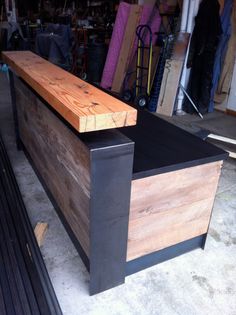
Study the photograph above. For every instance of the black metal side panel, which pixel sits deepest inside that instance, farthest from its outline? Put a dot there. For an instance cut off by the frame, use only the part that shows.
(111, 174)
(164, 254)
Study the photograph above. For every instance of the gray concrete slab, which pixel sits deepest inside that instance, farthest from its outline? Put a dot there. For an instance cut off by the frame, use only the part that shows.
(200, 282)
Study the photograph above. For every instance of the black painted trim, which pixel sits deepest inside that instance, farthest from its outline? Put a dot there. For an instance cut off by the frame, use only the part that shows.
(160, 256)
(204, 240)
(111, 174)
(180, 166)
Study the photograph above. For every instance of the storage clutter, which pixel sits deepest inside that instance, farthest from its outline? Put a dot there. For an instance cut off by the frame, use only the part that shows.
(168, 56)
(187, 66)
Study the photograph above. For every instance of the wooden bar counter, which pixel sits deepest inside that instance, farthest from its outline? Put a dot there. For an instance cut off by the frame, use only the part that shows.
(129, 197)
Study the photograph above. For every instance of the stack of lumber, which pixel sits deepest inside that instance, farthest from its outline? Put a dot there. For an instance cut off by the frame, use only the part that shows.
(121, 57)
(126, 47)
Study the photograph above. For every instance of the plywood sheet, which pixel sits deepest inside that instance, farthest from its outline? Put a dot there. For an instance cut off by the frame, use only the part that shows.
(84, 106)
(180, 47)
(169, 87)
(115, 45)
(171, 77)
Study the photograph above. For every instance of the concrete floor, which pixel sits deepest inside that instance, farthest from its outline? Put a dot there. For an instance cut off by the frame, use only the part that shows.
(200, 282)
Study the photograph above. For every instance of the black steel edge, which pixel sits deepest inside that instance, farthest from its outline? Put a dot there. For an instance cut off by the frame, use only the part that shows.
(111, 174)
(67, 227)
(180, 166)
(165, 254)
(33, 245)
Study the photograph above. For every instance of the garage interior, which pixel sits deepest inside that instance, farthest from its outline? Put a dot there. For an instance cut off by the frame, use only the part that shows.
(155, 69)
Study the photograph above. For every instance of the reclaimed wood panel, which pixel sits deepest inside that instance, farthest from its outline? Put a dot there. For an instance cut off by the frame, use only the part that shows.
(169, 87)
(84, 106)
(170, 208)
(180, 46)
(172, 75)
(62, 161)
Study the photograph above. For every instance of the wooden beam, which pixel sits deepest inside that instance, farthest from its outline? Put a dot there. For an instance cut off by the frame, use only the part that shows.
(172, 75)
(82, 105)
(169, 87)
(126, 48)
(40, 232)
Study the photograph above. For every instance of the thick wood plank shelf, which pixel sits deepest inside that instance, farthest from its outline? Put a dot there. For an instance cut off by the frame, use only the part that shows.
(84, 106)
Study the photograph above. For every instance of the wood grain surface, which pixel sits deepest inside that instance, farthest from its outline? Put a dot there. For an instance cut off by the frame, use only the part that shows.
(169, 87)
(180, 46)
(40, 231)
(126, 48)
(62, 161)
(170, 208)
(84, 106)
(172, 75)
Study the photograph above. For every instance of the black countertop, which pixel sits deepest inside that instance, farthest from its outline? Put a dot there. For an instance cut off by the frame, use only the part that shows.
(162, 147)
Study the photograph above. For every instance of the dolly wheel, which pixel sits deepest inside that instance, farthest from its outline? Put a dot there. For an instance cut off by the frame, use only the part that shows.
(127, 95)
(141, 100)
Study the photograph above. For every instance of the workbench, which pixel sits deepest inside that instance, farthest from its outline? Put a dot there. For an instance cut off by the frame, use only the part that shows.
(130, 193)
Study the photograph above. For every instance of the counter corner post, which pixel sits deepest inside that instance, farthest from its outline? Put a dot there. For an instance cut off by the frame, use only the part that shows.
(111, 170)
(14, 109)
(204, 239)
